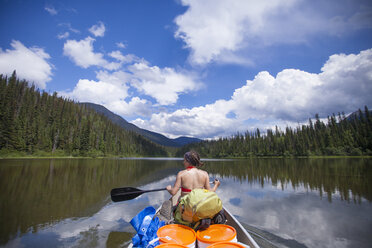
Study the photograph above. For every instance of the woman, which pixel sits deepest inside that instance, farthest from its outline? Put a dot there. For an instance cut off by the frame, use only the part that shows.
(192, 177)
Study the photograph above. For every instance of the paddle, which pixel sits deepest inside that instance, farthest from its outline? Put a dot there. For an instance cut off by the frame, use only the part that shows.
(128, 193)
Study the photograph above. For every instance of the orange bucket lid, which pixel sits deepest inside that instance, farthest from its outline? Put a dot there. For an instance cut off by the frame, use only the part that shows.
(171, 245)
(225, 245)
(216, 233)
(175, 233)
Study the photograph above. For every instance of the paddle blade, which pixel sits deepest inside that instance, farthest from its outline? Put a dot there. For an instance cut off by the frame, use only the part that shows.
(125, 194)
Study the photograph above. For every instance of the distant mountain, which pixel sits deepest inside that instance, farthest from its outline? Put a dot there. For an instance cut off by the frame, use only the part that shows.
(355, 115)
(186, 140)
(155, 137)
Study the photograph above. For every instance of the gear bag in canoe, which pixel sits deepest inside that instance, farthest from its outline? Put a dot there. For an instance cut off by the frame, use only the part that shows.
(146, 226)
(199, 204)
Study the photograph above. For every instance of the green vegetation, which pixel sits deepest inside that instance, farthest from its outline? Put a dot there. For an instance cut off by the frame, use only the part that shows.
(341, 136)
(39, 124)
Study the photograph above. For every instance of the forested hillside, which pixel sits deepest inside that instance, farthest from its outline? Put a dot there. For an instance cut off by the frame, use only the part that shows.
(340, 136)
(35, 122)
(153, 136)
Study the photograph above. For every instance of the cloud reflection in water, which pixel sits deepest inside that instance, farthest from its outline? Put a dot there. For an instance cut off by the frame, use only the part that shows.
(298, 214)
(93, 231)
(293, 214)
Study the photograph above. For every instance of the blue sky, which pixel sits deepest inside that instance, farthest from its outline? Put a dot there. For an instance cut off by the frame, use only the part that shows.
(196, 68)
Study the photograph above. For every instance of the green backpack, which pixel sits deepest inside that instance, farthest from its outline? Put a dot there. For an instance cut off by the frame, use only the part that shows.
(197, 205)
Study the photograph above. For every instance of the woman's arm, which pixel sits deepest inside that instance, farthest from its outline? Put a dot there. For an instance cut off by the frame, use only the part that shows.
(207, 185)
(173, 190)
(216, 183)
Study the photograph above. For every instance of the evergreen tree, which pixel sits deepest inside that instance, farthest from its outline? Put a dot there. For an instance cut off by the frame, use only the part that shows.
(33, 121)
(342, 136)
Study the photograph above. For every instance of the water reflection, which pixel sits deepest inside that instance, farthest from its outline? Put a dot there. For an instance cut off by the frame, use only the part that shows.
(108, 227)
(37, 193)
(58, 203)
(348, 177)
(298, 214)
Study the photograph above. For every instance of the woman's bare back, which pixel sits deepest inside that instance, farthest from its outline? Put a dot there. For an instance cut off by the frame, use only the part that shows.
(194, 179)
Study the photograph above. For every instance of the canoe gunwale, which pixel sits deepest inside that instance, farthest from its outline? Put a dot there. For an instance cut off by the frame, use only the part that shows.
(242, 234)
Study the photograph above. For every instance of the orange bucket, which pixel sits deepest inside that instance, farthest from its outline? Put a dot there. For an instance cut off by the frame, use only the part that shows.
(226, 245)
(216, 233)
(177, 234)
(171, 245)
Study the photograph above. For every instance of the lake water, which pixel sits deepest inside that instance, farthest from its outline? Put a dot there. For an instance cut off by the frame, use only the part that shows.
(282, 202)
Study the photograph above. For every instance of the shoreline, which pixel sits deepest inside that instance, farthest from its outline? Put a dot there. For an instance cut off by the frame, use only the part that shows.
(17, 156)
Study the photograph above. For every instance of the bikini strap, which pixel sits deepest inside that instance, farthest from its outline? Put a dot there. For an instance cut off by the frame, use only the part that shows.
(185, 190)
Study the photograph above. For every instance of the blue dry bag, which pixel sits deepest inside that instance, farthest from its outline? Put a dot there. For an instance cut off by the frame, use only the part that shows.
(146, 226)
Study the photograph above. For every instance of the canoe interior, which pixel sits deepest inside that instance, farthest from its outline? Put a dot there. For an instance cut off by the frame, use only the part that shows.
(242, 235)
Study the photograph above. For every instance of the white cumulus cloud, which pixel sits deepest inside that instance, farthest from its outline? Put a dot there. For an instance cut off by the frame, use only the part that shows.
(125, 59)
(290, 97)
(163, 84)
(82, 54)
(134, 107)
(211, 27)
(219, 30)
(110, 91)
(128, 73)
(95, 91)
(30, 63)
(203, 122)
(345, 84)
(98, 30)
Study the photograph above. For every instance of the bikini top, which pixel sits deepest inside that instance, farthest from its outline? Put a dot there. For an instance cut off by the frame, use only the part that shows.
(182, 188)
(185, 190)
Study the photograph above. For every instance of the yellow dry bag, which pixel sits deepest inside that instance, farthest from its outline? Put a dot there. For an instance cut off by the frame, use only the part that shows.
(197, 205)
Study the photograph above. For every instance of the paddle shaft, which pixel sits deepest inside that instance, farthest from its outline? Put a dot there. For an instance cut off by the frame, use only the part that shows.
(129, 193)
(140, 191)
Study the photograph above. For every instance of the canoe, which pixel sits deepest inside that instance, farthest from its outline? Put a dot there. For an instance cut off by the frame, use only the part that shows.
(243, 236)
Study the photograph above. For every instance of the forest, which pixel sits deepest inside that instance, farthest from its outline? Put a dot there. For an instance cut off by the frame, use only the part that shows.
(340, 136)
(35, 123)
(39, 124)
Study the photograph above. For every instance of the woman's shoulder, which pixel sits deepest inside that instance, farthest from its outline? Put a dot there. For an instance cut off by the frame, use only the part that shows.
(182, 172)
(203, 172)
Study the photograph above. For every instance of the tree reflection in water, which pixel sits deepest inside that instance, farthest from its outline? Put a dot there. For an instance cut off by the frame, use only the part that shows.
(65, 202)
(350, 177)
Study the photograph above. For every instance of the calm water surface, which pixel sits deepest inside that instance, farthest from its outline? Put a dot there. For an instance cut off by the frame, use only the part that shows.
(282, 202)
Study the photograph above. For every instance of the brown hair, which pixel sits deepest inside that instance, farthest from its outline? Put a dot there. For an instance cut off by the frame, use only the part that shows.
(193, 158)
